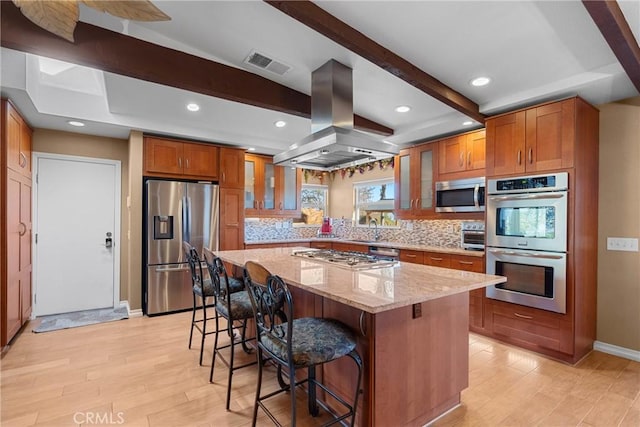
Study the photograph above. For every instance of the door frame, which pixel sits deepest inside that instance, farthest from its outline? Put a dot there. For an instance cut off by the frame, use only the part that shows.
(36, 156)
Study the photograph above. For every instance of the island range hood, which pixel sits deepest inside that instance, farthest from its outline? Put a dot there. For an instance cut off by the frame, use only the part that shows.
(334, 143)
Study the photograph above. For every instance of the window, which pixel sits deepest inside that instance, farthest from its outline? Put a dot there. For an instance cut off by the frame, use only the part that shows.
(314, 203)
(374, 200)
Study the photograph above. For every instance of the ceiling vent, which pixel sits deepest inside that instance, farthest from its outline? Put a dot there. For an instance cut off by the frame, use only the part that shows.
(264, 62)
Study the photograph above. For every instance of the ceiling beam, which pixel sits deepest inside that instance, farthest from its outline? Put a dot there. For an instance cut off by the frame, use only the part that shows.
(326, 24)
(117, 53)
(616, 31)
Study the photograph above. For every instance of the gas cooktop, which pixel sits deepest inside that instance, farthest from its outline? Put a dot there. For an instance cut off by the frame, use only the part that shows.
(351, 260)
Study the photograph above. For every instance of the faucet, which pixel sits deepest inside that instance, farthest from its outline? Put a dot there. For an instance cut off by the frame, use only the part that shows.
(376, 233)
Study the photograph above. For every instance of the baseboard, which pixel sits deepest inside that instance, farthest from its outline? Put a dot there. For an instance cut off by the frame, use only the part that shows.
(132, 313)
(627, 353)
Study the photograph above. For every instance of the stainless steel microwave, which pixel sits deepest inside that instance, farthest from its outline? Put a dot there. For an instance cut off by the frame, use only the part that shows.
(462, 195)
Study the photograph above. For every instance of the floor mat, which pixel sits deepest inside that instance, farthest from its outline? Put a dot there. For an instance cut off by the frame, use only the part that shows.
(80, 318)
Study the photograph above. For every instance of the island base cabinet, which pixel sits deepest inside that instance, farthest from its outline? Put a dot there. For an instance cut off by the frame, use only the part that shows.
(422, 363)
(414, 367)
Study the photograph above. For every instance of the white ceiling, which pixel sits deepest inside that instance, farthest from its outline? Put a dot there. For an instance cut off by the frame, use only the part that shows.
(532, 51)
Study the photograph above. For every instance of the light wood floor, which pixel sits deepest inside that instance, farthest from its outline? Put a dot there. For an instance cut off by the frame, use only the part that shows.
(139, 372)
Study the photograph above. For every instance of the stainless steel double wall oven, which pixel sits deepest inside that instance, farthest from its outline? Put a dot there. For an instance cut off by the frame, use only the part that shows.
(526, 236)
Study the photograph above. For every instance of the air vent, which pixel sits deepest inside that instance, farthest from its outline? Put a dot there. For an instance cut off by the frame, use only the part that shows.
(262, 61)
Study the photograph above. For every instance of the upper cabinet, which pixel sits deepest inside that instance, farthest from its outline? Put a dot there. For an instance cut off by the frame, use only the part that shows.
(414, 172)
(271, 191)
(18, 139)
(534, 140)
(462, 156)
(171, 158)
(231, 167)
(260, 186)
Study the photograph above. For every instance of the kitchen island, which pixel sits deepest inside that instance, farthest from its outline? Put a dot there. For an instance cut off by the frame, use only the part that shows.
(412, 327)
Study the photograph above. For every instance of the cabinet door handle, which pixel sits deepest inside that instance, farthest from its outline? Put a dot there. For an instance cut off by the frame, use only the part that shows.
(469, 158)
(410, 256)
(23, 230)
(23, 160)
(187, 163)
(530, 155)
(411, 204)
(255, 204)
(461, 162)
(435, 259)
(465, 262)
(224, 178)
(418, 203)
(280, 206)
(179, 162)
(519, 157)
(522, 316)
(361, 324)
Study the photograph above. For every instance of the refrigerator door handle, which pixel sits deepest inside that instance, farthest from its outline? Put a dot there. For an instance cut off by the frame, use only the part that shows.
(186, 220)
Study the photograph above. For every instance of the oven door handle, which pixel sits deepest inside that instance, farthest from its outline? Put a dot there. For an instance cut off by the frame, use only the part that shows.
(524, 254)
(529, 196)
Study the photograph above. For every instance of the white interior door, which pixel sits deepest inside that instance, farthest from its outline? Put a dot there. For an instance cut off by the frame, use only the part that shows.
(76, 206)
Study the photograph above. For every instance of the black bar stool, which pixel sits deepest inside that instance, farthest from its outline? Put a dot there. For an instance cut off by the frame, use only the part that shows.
(235, 307)
(297, 343)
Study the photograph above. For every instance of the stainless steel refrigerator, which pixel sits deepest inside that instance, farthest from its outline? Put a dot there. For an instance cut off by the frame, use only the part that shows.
(176, 211)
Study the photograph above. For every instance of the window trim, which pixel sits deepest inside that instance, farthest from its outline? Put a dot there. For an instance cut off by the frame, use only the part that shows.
(355, 202)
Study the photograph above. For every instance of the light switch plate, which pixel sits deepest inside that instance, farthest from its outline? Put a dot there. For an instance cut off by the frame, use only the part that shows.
(625, 244)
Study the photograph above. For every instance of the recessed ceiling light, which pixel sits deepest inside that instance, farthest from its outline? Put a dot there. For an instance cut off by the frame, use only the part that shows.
(480, 81)
(75, 123)
(403, 108)
(251, 149)
(280, 124)
(193, 107)
(467, 123)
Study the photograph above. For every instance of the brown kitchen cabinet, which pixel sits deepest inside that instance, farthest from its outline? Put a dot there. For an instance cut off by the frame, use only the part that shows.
(15, 235)
(462, 156)
(18, 140)
(437, 259)
(179, 159)
(530, 327)
(231, 198)
(321, 245)
(408, 255)
(476, 296)
(270, 190)
(534, 140)
(414, 171)
(231, 167)
(349, 247)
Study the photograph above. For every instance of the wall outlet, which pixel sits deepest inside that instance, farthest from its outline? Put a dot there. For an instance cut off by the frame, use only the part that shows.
(409, 226)
(449, 228)
(622, 244)
(278, 225)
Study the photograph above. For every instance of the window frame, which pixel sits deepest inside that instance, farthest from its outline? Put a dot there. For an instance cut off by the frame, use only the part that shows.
(356, 208)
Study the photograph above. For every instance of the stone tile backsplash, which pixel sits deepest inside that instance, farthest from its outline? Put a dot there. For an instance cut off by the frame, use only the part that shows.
(445, 233)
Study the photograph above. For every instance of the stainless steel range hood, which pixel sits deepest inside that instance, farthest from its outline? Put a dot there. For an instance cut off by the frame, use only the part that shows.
(334, 143)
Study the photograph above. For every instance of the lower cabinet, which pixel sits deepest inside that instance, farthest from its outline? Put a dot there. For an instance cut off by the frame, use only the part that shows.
(457, 262)
(529, 327)
(321, 245)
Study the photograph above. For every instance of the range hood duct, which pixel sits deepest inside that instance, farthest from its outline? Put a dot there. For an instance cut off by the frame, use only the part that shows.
(334, 143)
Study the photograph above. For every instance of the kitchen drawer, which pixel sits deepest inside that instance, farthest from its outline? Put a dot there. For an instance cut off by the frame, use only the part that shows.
(416, 257)
(321, 245)
(349, 247)
(467, 263)
(437, 259)
(526, 325)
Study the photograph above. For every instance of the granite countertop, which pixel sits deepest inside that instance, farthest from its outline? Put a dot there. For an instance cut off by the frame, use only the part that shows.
(383, 244)
(374, 290)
